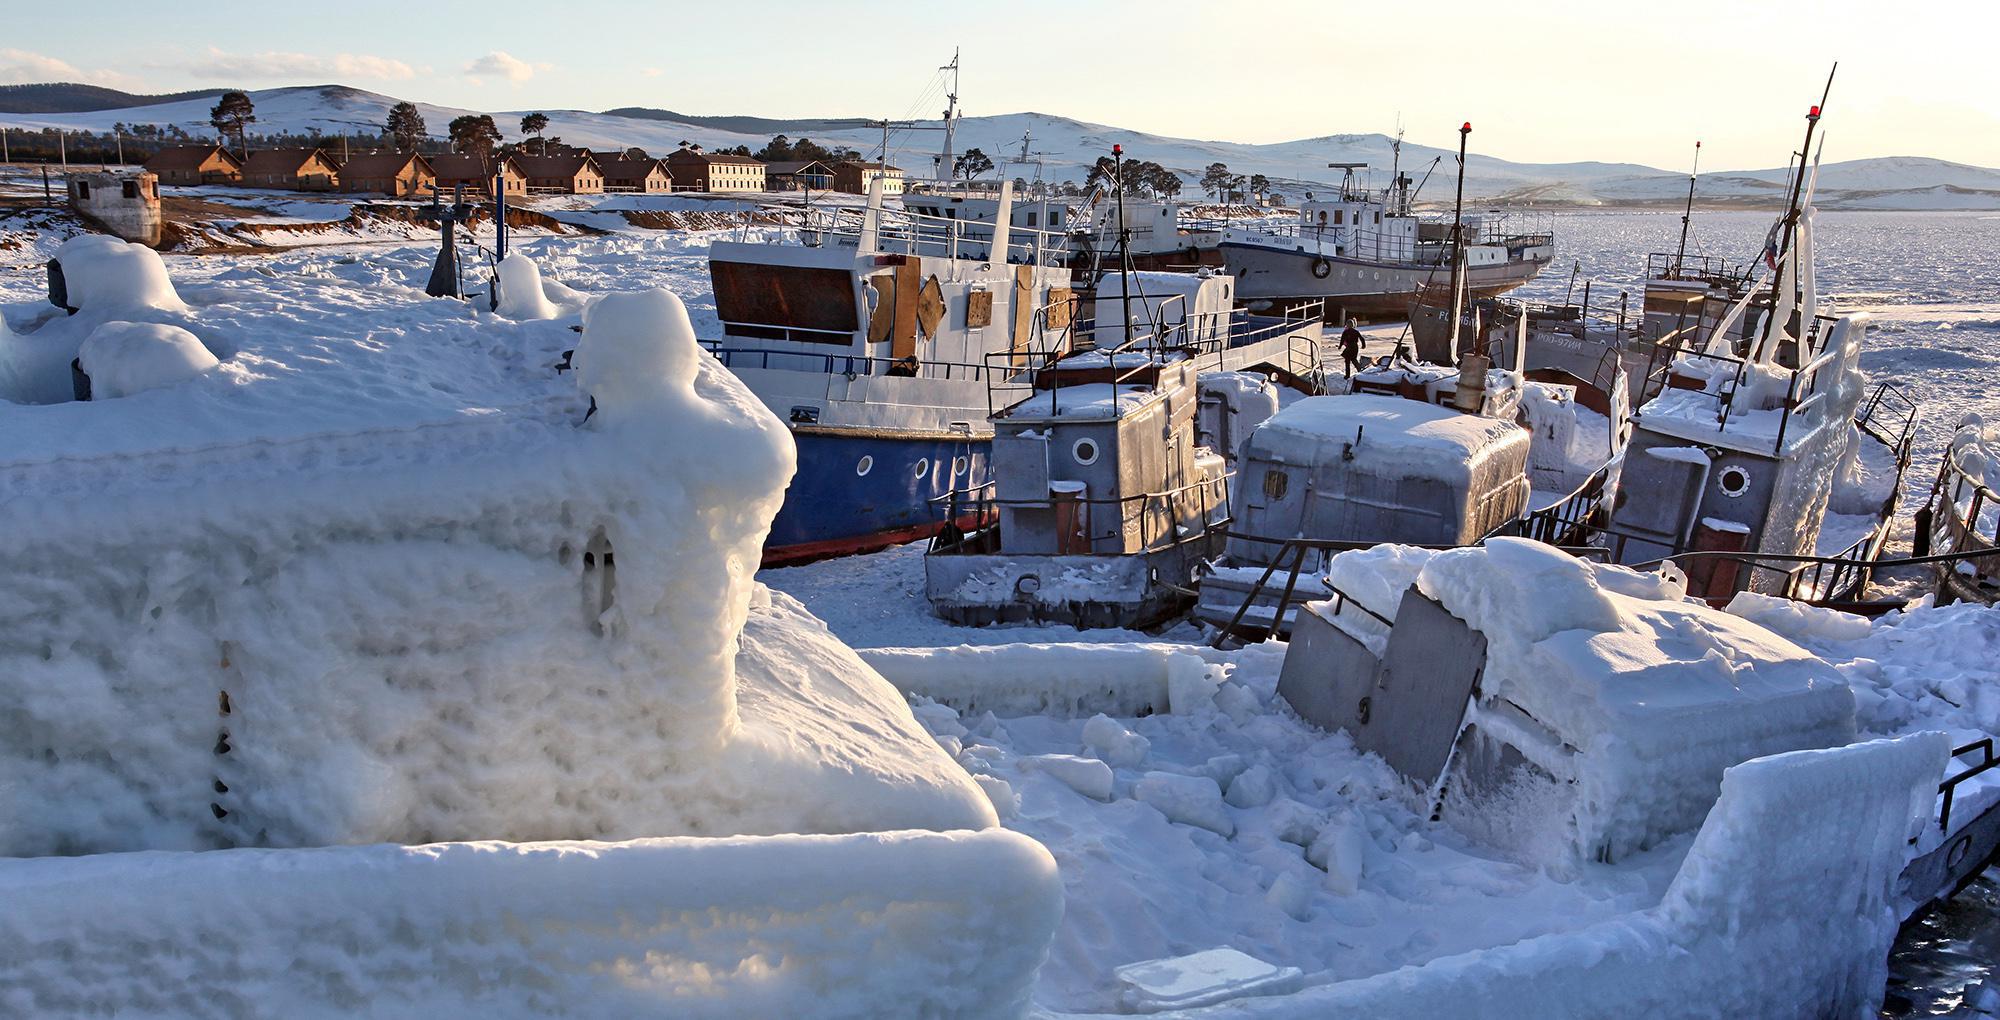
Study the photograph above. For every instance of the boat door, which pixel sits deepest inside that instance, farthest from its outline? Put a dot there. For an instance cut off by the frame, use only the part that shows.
(1658, 497)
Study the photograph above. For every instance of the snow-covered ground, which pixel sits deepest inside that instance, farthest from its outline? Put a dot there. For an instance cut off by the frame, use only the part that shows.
(1185, 805)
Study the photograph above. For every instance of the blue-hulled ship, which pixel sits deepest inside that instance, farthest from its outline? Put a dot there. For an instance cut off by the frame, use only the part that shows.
(882, 336)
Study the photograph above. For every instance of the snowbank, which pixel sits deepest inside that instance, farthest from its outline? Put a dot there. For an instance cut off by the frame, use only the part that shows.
(1784, 906)
(106, 275)
(108, 281)
(123, 358)
(909, 924)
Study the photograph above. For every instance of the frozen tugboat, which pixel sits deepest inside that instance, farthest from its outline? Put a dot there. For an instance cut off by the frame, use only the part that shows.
(354, 655)
(1103, 506)
(1364, 253)
(1765, 461)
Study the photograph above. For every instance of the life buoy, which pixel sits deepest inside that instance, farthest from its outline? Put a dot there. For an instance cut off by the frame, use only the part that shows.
(1321, 268)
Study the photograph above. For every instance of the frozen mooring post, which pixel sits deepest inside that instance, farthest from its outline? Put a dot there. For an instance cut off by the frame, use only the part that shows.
(445, 280)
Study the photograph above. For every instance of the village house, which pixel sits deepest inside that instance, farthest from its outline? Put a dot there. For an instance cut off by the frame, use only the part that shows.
(854, 177)
(695, 170)
(291, 170)
(648, 176)
(196, 164)
(396, 174)
(477, 173)
(798, 175)
(575, 173)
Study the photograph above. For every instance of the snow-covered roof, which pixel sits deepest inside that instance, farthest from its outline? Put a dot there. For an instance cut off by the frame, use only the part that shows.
(1410, 436)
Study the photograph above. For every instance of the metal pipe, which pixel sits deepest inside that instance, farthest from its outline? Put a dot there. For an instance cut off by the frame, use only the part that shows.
(1458, 244)
(1687, 215)
(1792, 209)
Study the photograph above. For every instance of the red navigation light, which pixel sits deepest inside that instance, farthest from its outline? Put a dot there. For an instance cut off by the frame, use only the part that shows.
(1465, 128)
(1814, 113)
(1119, 150)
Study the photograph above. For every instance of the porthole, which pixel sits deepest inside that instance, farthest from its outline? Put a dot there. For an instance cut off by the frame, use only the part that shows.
(957, 466)
(923, 467)
(1085, 451)
(1734, 481)
(864, 465)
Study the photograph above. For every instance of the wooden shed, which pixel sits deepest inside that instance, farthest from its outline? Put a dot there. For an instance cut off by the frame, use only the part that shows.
(649, 176)
(196, 164)
(291, 170)
(396, 174)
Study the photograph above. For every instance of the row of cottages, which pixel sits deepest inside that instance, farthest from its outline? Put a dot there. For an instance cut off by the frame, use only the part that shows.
(695, 170)
(196, 164)
(854, 176)
(477, 172)
(396, 174)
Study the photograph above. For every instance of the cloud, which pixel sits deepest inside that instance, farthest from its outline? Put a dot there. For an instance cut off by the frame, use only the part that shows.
(274, 64)
(21, 67)
(505, 65)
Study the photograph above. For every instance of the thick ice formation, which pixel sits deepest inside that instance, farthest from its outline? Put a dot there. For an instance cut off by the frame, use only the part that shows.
(521, 293)
(123, 358)
(863, 926)
(502, 627)
(1627, 698)
(1784, 906)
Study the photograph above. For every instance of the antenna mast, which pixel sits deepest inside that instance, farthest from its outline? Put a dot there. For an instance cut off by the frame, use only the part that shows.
(950, 116)
(1688, 214)
(1791, 224)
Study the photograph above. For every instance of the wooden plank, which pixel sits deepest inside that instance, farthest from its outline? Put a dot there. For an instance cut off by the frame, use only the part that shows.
(978, 309)
(903, 338)
(930, 306)
(1024, 312)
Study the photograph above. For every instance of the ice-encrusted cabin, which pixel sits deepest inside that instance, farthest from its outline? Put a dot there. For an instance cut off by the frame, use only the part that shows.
(378, 575)
(1103, 503)
(1561, 710)
(1375, 468)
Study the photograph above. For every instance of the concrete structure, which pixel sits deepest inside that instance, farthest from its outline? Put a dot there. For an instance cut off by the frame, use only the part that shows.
(196, 164)
(477, 173)
(573, 173)
(125, 204)
(291, 170)
(798, 175)
(854, 176)
(396, 174)
(647, 176)
(695, 170)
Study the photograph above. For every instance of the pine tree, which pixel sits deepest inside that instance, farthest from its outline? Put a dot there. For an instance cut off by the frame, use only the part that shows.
(406, 126)
(474, 134)
(971, 165)
(535, 124)
(232, 115)
(1215, 180)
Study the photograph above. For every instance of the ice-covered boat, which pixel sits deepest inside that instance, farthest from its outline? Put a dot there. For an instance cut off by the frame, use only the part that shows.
(1765, 461)
(879, 339)
(1369, 253)
(1102, 504)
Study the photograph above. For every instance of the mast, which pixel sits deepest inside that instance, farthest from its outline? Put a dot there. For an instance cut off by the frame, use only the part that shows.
(1791, 223)
(1687, 215)
(1458, 242)
(1124, 248)
(950, 118)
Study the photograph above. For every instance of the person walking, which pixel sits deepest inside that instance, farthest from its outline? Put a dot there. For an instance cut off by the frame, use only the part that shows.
(1350, 349)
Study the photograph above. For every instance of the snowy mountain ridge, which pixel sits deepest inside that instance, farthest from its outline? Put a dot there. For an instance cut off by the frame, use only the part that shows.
(1065, 148)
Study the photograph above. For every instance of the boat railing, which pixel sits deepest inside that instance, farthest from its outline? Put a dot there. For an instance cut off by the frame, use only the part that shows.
(1139, 355)
(849, 365)
(1160, 515)
(1962, 517)
(1706, 269)
(901, 231)
(1569, 520)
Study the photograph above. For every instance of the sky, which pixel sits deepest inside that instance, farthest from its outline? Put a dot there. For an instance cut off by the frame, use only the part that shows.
(1542, 82)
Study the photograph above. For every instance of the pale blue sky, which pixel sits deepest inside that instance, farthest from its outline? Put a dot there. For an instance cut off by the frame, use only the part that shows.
(1542, 82)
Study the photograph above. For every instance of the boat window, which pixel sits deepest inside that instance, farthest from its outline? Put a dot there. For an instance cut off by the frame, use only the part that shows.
(864, 465)
(1275, 484)
(923, 466)
(1055, 218)
(1031, 218)
(1337, 214)
(1085, 451)
(1734, 481)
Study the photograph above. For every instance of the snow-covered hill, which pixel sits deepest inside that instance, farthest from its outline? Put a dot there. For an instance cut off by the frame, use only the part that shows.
(1066, 147)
